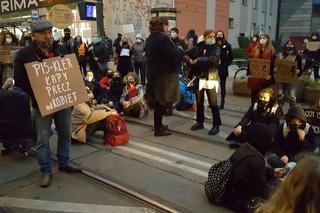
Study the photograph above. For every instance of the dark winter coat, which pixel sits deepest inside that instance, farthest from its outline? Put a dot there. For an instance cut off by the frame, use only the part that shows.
(99, 51)
(162, 76)
(226, 59)
(26, 55)
(250, 176)
(124, 63)
(207, 60)
(270, 117)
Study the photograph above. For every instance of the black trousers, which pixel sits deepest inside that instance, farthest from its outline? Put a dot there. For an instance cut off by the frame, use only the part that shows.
(159, 110)
(223, 79)
(213, 102)
(83, 67)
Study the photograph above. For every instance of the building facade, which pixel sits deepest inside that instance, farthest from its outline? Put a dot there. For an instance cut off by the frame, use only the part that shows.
(247, 17)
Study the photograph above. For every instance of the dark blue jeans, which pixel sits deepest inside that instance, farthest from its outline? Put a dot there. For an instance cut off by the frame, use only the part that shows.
(62, 120)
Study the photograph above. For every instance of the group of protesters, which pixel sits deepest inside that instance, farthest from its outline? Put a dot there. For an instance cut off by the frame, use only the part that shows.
(164, 72)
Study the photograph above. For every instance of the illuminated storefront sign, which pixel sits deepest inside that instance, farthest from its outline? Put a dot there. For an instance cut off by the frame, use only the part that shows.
(10, 6)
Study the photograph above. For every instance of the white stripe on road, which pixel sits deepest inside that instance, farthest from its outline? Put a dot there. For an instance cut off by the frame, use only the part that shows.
(68, 207)
(171, 154)
(165, 161)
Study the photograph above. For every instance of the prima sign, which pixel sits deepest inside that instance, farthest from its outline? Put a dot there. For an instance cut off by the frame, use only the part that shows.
(7, 6)
(10, 6)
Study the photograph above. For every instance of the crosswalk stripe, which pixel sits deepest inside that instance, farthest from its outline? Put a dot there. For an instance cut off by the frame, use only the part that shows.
(68, 207)
(165, 161)
(172, 154)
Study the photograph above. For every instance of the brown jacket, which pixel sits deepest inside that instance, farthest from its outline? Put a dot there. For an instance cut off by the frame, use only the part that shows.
(83, 115)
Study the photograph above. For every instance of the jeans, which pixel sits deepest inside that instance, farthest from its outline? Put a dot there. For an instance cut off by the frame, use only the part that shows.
(286, 91)
(62, 121)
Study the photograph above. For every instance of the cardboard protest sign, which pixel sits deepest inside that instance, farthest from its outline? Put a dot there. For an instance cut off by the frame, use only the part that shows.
(259, 68)
(56, 83)
(60, 16)
(313, 118)
(313, 45)
(6, 53)
(286, 71)
(128, 28)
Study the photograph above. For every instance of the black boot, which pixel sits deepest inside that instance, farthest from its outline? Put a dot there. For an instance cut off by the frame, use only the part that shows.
(197, 126)
(215, 130)
(222, 105)
(162, 132)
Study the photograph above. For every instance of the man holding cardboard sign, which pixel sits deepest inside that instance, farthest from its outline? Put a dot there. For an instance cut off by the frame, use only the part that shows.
(42, 72)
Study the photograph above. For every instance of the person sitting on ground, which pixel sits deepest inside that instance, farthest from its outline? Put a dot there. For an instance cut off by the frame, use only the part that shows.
(88, 118)
(187, 98)
(299, 192)
(293, 137)
(250, 177)
(92, 83)
(116, 88)
(264, 110)
(104, 84)
(132, 100)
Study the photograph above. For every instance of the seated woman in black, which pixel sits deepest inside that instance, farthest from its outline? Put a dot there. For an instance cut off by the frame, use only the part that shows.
(293, 137)
(250, 177)
(265, 111)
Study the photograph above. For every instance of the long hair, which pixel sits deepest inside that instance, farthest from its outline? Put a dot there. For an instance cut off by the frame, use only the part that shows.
(269, 47)
(156, 24)
(273, 97)
(295, 51)
(224, 41)
(300, 191)
(207, 33)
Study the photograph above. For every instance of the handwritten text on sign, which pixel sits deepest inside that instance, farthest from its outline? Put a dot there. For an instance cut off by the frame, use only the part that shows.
(259, 68)
(286, 71)
(56, 83)
(6, 53)
(313, 117)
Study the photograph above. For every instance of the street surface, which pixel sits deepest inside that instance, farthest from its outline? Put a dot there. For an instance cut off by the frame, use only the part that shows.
(171, 170)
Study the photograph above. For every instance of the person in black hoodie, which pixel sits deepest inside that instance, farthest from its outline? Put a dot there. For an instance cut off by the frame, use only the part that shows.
(204, 59)
(294, 136)
(264, 110)
(313, 57)
(225, 61)
(250, 177)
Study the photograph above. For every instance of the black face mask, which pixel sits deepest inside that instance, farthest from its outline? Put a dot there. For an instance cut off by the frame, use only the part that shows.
(262, 104)
(125, 43)
(289, 48)
(219, 38)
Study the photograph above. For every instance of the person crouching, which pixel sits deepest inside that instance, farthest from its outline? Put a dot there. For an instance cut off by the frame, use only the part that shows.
(132, 101)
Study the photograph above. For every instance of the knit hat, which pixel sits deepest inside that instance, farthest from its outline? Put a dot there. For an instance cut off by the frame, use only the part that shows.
(41, 25)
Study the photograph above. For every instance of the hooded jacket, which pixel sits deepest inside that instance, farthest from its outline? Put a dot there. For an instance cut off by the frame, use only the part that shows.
(250, 175)
(287, 142)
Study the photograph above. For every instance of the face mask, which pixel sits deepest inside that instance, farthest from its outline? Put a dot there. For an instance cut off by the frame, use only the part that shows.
(314, 37)
(173, 35)
(289, 48)
(262, 104)
(124, 43)
(210, 41)
(9, 40)
(263, 41)
(255, 39)
(45, 44)
(89, 78)
(219, 38)
(95, 40)
(67, 35)
(139, 40)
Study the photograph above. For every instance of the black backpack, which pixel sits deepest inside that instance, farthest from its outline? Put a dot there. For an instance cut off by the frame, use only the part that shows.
(218, 178)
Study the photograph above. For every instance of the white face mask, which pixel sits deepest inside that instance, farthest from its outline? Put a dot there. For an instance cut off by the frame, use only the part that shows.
(139, 40)
(255, 39)
(89, 78)
(314, 37)
(263, 41)
(9, 40)
(173, 35)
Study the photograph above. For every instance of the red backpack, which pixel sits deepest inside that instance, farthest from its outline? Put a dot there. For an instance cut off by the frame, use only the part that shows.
(116, 133)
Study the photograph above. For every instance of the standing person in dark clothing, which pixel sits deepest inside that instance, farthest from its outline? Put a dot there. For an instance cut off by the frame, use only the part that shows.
(225, 61)
(125, 53)
(313, 56)
(204, 59)
(81, 51)
(68, 41)
(162, 76)
(117, 41)
(108, 43)
(139, 58)
(98, 57)
(42, 48)
(192, 38)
